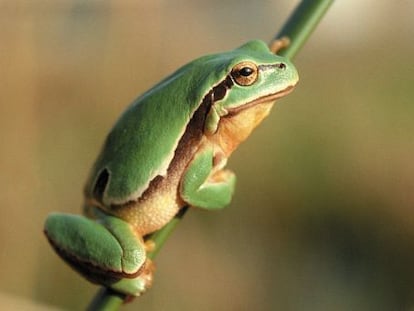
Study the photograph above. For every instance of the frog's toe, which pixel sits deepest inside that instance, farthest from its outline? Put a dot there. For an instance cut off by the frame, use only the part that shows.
(136, 286)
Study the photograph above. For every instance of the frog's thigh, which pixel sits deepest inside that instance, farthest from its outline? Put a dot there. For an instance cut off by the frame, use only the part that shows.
(201, 188)
(110, 246)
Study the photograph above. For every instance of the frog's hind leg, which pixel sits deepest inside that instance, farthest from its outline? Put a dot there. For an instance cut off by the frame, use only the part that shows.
(105, 251)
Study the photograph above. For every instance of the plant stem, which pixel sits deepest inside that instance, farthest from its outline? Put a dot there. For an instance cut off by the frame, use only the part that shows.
(301, 24)
(298, 28)
(106, 300)
(162, 235)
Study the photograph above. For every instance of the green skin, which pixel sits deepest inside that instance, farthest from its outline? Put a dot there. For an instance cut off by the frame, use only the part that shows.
(168, 150)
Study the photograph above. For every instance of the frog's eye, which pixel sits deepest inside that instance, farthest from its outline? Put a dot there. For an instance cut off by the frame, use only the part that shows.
(245, 73)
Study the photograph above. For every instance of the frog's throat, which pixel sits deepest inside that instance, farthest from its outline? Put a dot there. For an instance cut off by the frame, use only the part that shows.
(264, 99)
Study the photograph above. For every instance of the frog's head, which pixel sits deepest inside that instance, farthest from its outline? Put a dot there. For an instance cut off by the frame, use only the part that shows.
(255, 77)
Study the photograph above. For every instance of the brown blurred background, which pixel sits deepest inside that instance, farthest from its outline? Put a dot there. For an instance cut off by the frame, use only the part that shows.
(323, 217)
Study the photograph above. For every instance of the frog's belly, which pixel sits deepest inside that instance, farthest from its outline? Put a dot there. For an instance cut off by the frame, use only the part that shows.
(154, 210)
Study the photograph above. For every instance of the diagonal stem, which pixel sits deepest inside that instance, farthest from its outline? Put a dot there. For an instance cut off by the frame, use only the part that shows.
(301, 24)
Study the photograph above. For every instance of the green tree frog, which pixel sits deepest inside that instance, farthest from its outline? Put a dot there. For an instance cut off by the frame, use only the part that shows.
(168, 150)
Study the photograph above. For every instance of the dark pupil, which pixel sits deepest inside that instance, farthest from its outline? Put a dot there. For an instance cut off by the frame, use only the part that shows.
(246, 71)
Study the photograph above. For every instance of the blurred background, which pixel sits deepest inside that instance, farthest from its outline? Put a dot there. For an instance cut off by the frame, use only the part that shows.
(323, 217)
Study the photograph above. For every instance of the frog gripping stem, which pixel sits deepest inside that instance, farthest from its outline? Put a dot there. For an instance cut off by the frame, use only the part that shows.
(109, 249)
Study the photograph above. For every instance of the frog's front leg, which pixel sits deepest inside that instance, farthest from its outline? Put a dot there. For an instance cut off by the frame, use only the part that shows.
(105, 251)
(205, 187)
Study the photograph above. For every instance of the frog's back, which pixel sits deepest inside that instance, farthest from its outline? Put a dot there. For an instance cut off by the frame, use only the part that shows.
(141, 145)
(138, 148)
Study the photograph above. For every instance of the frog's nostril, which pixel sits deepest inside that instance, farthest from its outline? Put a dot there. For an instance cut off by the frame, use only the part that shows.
(281, 66)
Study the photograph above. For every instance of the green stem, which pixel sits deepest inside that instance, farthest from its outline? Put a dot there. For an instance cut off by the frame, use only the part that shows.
(106, 300)
(162, 235)
(301, 24)
(298, 28)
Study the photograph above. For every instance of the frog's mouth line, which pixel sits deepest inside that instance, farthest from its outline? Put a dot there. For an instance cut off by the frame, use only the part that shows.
(261, 100)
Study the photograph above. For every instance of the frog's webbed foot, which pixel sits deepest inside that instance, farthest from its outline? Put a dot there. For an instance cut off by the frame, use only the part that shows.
(105, 251)
(203, 187)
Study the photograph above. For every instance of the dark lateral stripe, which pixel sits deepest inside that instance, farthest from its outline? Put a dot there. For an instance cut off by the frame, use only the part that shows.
(220, 90)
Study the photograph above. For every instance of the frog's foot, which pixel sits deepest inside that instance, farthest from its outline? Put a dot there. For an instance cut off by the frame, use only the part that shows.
(202, 187)
(138, 285)
(104, 252)
(278, 44)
